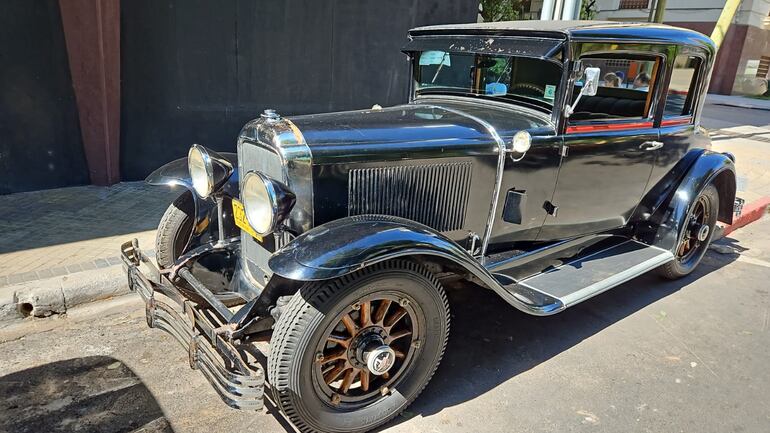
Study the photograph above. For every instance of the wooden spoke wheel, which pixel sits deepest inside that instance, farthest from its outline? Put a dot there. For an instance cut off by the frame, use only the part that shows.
(349, 354)
(367, 348)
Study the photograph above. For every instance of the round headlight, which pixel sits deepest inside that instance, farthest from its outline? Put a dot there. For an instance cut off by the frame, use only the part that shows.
(201, 170)
(259, 202)
(522, 142)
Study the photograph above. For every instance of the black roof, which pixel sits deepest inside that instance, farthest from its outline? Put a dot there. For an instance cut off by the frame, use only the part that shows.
(618, 31)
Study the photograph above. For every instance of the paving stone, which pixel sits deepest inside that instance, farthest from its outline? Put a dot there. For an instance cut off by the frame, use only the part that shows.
(52, 230)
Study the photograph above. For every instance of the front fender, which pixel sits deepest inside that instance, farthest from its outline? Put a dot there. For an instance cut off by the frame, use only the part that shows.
(709, 167)
(345, 245)
(205, 229)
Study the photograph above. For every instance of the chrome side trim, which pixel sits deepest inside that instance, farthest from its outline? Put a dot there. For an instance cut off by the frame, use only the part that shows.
(501, 153)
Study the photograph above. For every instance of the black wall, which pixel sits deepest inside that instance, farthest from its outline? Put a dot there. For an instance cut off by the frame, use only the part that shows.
(196, 71)
(40, 143)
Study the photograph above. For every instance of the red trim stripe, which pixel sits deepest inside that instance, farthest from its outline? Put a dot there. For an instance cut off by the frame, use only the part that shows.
(607, 127)
(676, 121)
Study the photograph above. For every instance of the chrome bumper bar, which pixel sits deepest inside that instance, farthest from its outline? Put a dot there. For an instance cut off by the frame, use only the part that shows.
(240, 384)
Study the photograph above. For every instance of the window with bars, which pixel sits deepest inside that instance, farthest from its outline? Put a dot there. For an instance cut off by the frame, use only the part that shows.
(633, 4)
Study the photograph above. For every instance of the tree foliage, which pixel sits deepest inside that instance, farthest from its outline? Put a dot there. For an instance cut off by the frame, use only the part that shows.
(588, 10)
(500, 10)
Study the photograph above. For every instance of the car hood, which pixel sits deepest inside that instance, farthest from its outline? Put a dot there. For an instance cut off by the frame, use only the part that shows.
(432, 128)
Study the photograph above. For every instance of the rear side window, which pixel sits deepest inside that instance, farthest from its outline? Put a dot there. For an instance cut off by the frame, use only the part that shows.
(624, 92)
(681, 90)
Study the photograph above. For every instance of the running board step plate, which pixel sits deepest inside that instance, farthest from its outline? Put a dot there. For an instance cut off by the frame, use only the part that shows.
(588, 276)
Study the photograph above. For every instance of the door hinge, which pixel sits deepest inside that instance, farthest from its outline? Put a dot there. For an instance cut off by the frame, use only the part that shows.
(550, 208)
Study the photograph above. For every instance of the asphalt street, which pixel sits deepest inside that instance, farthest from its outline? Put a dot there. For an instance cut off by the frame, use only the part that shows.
(648, 356)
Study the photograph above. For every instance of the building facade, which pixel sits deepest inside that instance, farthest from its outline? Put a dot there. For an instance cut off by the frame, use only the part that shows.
(744, 58)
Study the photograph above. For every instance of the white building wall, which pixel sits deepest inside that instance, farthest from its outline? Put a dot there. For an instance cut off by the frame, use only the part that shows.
(751, 12)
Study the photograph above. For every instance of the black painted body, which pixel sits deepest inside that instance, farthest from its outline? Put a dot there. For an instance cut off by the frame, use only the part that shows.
(411, 165)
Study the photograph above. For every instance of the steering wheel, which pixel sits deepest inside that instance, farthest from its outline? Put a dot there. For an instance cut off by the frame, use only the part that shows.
(529, 87)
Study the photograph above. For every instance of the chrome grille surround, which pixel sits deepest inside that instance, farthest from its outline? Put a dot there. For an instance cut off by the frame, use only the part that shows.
(277, 149)
(433, 194)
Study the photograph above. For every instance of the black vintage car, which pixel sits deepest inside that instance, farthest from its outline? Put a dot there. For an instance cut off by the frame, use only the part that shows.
(546, 161)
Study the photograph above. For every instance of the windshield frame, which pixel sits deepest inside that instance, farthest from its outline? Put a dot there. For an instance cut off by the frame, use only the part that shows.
(557, 54)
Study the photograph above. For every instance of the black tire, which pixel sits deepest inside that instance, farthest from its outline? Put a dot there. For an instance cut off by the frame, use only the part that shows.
(174, 229)
(313, 310)
(684, 263)
(171, 239)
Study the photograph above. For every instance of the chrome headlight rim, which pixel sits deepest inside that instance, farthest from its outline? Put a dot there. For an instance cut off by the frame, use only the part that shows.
(202, 187)
(278, 201)
(208, 170)
(270, 195)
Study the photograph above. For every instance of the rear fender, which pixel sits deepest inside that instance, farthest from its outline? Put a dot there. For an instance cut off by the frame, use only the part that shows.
(348, 244)
(709, 167)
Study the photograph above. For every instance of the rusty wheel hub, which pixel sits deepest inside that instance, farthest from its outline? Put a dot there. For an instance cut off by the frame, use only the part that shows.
(366, 349)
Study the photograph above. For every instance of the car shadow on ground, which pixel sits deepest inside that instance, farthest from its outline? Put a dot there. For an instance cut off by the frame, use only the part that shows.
(491, 342)
(89, 394)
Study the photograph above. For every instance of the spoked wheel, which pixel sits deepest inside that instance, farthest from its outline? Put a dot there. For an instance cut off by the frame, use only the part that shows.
(348, 355)
(367, 350)
(696, 235)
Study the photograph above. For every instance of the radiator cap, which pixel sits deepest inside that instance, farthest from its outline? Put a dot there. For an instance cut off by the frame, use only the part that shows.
(271, 115)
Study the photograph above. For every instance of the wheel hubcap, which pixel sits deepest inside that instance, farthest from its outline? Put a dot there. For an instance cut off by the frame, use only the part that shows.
(366, 350)
(703, 233)
(380, 359)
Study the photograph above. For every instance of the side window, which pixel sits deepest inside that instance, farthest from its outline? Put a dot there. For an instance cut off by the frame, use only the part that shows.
(681, 89)
(625, 89)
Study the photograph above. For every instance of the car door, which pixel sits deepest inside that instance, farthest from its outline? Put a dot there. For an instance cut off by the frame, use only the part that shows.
(609, 148)
(678, 130)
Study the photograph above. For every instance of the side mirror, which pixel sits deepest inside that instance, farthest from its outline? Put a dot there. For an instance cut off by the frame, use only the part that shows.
(591, 81)
(590, 86)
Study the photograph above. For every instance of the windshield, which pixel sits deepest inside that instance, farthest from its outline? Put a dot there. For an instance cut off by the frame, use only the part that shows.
(519, 78)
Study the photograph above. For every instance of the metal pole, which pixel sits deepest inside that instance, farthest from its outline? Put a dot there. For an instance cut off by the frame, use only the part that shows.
(547, 12)
(651, 18)
(660, 9)
(725, 19)
(569, 10)
(557, 10)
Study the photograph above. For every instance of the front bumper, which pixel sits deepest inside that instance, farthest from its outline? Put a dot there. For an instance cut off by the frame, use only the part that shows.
(239, 382)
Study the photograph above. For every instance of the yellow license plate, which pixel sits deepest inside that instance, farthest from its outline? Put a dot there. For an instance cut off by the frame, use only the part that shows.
(239, 215)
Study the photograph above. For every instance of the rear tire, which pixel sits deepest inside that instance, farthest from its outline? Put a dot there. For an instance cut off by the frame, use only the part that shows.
(691, 248)
(305, 349)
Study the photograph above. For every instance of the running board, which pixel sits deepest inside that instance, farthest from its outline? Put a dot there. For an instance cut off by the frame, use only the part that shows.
(588, 276)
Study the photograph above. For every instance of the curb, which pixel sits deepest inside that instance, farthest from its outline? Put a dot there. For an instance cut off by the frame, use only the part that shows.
(45, 297)
(741, 105)
(751, 212)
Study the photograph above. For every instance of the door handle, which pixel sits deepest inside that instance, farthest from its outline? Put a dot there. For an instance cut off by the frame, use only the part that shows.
(651, 145)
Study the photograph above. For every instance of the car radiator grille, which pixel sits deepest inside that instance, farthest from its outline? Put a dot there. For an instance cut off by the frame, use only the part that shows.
(253, 157)
(435, 195)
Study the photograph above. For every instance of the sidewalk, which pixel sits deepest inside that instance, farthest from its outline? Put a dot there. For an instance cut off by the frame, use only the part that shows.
(63, 231)
(751, 147)
(738, 101)
(60, 248)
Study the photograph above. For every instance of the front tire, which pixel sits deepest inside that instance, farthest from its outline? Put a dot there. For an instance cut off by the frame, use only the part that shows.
(171, 239)
(697, 233)
(349, 354)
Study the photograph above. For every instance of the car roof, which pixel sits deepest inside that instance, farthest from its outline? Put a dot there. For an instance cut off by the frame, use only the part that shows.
(595, 30)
